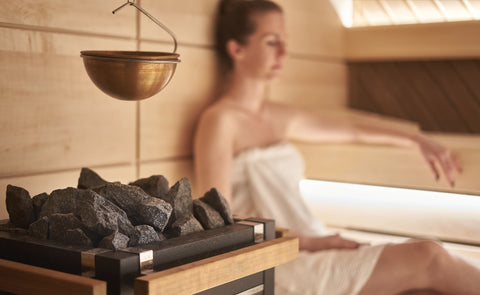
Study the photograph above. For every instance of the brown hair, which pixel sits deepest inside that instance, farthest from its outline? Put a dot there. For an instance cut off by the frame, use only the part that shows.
(235, 21)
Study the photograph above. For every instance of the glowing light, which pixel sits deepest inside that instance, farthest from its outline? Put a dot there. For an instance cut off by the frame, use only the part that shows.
(347, 193)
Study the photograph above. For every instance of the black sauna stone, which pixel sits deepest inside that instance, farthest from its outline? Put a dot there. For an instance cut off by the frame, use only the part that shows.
(61, 201)
(101, 216)
(77, 237)
(143, 235)
(39, 228)
(89, 179)
(215, 199)
(59, 224)
(180, 197)
(139, 206)
(38, 202)
(155, 185)
(186, 225)
(208, 217)
(115, 241)
(19, 206)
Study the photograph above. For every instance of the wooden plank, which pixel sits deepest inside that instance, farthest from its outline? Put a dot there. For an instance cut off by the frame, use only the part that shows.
(47, 182)
(424, 85)
(417, 41)
(21, 279)
(52, 117)
(190, 20)
(436, 94)
(469, 71)
(168, 119)
(311, 84)
(214, 271)
(81, 16)
(460, 98)
(392, 166)
(313, 29)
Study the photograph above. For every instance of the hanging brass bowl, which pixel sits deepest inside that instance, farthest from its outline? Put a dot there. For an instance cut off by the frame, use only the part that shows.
(130, 75)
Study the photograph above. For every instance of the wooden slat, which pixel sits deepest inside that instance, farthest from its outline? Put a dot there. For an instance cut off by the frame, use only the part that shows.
(82, 16)
(441, 96)
(52, 116)
(311, 84)
(391, 166)
(190, 20)
(214, 271)
(18, 278)
(459, 95)
(416, 41)
(167, 120)
(313, 28)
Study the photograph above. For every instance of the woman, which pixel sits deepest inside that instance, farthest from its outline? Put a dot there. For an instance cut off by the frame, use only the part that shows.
(241, 149)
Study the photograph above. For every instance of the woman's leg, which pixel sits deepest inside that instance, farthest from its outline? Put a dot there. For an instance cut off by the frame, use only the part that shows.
(421, 265)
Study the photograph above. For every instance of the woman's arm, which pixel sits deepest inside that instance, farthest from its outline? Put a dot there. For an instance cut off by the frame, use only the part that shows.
(213, 153)
(332, 127)
(313, 244)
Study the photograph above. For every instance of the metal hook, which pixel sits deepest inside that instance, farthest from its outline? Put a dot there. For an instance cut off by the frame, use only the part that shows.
(153, 19)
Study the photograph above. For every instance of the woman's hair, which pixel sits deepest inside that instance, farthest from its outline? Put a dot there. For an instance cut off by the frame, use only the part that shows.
(235, 20)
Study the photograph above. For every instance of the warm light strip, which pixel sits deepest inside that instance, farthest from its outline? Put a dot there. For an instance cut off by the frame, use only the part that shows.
(388, 10)
(414, 10)
(470, 9)
(367, 13)
(441, 8)
(348, 193)
(363, 14)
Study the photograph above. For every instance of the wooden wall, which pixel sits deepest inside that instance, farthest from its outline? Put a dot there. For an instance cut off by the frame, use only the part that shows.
(426, 73)
(54, 121)
(441, 95)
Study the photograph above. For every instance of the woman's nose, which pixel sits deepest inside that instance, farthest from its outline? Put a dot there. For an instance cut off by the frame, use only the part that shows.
(282, 50)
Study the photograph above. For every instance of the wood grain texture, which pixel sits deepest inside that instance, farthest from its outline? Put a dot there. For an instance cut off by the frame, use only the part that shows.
(313, 29)
(168, 120)
(52, 117)
(214, 271)
(89, 16)
(441, 95)
(392, 166)
(19, 278)
(190, 20)
(416, 41)
(311, 84)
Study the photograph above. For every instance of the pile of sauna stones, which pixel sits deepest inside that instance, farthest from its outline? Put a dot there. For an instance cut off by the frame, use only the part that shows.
(113, 215)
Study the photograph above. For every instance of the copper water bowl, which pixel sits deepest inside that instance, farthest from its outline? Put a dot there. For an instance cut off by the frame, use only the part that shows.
(130, 75)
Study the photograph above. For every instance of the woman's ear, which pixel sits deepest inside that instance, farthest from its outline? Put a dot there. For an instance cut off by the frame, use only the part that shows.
(234, 49)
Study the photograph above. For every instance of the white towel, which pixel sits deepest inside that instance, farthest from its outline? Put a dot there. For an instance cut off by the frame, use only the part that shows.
(265, 184)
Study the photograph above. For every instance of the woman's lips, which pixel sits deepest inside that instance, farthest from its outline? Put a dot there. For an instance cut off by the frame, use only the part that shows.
(277, 67)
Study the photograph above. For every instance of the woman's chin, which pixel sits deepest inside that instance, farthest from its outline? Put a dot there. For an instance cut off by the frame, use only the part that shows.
(273, 77)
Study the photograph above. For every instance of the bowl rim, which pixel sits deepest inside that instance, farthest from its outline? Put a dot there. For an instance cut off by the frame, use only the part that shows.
(131, 55)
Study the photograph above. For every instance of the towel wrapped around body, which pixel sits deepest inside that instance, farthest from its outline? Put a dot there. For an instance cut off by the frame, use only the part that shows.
(266, 184)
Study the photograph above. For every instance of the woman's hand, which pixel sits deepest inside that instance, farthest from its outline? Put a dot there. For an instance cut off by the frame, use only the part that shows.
(439, 157)
(327, 242)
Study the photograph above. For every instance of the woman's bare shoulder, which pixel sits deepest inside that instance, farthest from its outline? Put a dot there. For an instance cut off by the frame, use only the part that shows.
(217, 118)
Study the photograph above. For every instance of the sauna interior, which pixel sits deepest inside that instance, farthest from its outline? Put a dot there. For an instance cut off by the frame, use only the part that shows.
(54, 120)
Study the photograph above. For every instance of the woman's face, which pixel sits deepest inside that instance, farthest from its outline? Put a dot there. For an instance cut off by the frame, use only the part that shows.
(264, 52)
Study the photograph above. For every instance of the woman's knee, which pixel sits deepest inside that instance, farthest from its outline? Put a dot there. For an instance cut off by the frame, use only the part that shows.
(433, 257)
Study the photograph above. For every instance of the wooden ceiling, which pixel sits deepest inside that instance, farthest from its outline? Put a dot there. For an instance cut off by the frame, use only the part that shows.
(393, 12)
